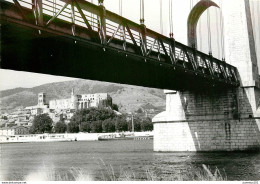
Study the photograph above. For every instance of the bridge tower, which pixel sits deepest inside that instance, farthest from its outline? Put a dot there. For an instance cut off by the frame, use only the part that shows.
(217, 119)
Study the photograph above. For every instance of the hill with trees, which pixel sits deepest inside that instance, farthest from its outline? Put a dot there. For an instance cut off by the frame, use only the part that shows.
(128, 98)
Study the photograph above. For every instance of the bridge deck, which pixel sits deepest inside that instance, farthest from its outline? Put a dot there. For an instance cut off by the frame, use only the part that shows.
(80, 39)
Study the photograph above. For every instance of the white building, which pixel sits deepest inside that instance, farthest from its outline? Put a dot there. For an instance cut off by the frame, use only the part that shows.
(16, 130)
(81, 101)
(41, 107)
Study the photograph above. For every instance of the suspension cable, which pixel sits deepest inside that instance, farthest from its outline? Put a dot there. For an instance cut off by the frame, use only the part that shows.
(191, 6)
(222, 32)
(143, 8)
(258, 15)
(53, 10)
(200, 34)
(161, 21)
(120, 7)
(209, 30)
(170, 19)
(92, 16)
(142, 11)
(120, 13)
(217, 27)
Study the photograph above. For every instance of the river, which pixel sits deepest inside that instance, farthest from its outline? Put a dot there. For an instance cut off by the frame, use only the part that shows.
(29, 161)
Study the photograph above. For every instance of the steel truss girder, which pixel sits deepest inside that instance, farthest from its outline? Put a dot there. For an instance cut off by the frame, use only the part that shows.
(175, 54)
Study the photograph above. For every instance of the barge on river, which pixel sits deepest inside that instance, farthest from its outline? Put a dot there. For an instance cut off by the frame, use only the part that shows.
(111, 137)
(34, 138)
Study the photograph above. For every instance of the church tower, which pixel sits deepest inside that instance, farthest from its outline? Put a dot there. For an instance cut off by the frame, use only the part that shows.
(41, 99)
(73, 100)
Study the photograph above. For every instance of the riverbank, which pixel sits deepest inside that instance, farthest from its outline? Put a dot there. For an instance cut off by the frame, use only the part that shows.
(68, 137)
(107, 173)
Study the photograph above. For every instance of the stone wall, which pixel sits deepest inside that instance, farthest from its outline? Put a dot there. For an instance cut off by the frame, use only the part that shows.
(217, 120)
(222, 135)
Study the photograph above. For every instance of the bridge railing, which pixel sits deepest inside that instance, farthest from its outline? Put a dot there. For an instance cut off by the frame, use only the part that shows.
(111, 30)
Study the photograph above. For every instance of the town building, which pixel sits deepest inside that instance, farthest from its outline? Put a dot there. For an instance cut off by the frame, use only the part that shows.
(63, 109)
(41, 107)
(82, 101)
(15, 130)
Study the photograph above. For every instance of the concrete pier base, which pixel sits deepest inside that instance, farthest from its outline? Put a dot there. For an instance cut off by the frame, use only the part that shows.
(209, 121)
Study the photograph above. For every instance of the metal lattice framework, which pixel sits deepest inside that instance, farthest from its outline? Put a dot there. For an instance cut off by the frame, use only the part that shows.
(94, 23)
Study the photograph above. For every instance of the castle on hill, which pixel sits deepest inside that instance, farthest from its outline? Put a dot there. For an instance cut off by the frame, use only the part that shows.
(75, 102)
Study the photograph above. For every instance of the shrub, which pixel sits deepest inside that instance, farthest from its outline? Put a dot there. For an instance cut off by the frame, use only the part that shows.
(121, 124)
(73, 127)
(41, 124)
(108, 125)
(96, 126)
(85, 127)
(60, 127)
(147, 125)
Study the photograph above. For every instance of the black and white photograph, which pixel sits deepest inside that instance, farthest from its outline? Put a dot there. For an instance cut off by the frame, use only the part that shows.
(129, 90)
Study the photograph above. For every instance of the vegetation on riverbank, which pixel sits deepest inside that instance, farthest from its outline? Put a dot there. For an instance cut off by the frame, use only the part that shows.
(108, 173)
(203, 173)
(94, 120)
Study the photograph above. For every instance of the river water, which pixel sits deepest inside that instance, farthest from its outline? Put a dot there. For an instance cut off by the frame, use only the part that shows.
(29, 161)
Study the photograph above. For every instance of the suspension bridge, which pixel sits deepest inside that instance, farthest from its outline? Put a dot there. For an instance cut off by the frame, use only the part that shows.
(215, 107)
(77, 38)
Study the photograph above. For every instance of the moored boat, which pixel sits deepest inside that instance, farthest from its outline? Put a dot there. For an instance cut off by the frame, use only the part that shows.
(111, 137)
(35, 138)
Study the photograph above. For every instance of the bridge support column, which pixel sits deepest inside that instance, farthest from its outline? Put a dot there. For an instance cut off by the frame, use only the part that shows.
(171, 131)
(217, 120)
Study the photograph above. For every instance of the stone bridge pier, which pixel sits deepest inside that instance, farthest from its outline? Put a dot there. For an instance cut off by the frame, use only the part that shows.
(217, 119)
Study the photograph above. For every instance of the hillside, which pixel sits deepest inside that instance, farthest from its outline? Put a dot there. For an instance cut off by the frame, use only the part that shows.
(129, 98)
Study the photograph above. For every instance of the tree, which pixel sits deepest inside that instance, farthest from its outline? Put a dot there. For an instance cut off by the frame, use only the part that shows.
(147, 125)
(96, 126)
(85, 127)
(115, 107)
(129, 125)
(41, 124)
(108, 125)
(92, 114)
(140, 110)
(121, 124)
(4, 117)
(31, 130)
(11, 124)
(137, 124)
(72, 127)
(60, 127)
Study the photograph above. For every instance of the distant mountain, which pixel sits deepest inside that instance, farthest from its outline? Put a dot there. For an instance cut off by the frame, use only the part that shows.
(128, 98)
(11, 91)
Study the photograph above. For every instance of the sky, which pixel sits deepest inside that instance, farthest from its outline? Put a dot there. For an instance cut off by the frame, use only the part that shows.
(12, 79)
(130, 9)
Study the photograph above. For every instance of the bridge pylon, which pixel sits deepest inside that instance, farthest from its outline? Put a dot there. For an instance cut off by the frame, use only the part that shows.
(224, 119)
